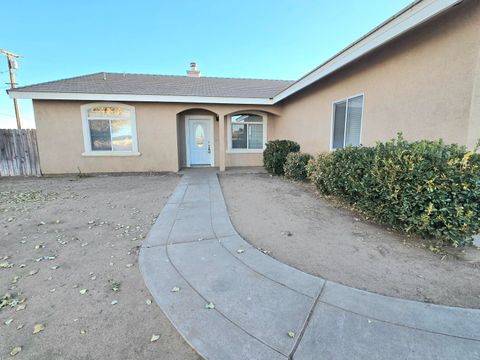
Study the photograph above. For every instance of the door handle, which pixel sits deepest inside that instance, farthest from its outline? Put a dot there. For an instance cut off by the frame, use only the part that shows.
(209, 148)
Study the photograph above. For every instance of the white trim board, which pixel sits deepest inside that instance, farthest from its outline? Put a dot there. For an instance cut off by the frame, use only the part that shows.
(140, 98)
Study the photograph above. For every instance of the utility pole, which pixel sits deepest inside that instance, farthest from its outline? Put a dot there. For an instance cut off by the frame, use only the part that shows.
(12, 65)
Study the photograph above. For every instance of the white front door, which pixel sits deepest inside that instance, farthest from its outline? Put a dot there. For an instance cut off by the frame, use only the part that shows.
(199, 140)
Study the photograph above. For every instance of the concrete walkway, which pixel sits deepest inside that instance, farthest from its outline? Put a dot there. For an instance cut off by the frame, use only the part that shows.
(231, 301)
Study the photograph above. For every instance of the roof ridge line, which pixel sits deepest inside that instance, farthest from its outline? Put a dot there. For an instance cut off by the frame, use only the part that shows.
(201, 77)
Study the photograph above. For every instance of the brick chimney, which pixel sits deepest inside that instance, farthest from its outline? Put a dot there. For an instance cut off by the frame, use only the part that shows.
(194, 72)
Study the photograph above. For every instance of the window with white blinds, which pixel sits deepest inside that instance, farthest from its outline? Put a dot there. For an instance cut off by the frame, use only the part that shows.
(347, 122)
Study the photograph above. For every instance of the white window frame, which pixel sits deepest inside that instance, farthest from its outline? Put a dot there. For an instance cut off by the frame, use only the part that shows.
(86, 129)
(264, 122)
(332, 127)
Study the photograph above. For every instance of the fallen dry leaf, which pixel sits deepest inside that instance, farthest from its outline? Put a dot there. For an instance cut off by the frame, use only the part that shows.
(114, 285)
(154, 338)
(210, 306)
(15, 350)
(38, 328)
(83, 291)
(33, 272)
(45, 258)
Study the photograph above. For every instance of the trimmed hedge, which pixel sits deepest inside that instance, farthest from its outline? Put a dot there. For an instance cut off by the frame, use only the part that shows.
(295, 167)
(275, 154)
(425, 187)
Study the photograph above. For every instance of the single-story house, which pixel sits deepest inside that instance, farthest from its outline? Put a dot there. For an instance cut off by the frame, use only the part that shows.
(416, 73)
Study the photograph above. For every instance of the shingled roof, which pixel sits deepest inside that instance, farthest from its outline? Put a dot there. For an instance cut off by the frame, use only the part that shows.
(142, 84)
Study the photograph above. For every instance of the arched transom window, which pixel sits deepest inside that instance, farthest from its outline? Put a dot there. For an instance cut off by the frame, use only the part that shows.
(247, 132)
(109, 129)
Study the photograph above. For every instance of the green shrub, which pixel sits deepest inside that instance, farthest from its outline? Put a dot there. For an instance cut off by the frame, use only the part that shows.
(295, 167)
(426, 187)
(275, 154)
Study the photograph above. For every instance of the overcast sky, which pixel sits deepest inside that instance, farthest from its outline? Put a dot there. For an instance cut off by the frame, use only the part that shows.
(274, 39)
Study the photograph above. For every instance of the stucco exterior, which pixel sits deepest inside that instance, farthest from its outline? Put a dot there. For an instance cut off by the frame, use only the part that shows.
(425, 84)
(160, 133)
(420, 84)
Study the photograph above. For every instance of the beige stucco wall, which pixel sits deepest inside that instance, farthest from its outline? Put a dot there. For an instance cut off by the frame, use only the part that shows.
(61, 144)
(420, 84)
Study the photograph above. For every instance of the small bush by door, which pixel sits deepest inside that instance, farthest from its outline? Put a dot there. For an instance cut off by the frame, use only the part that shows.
(275, 154)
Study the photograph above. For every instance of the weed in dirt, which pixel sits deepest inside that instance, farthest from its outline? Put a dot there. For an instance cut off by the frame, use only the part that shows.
(12, 300)
(114, 285)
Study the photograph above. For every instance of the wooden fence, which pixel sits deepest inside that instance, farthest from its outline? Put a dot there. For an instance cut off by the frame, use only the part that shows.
(19, 153)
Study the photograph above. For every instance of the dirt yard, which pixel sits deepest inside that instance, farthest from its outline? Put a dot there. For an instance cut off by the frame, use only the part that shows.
(69, 260)
(310, 233)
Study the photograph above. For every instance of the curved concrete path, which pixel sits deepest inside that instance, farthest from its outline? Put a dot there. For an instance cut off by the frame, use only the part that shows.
(264, 309)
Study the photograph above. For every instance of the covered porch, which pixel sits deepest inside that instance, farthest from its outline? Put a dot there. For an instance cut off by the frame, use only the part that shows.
(223, 136)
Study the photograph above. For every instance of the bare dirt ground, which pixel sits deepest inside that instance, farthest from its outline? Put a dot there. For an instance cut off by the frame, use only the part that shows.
(69, 247)
(312, 234)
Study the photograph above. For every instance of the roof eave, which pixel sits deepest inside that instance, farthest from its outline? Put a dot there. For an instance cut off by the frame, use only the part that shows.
(405, 20)
(41, 95)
